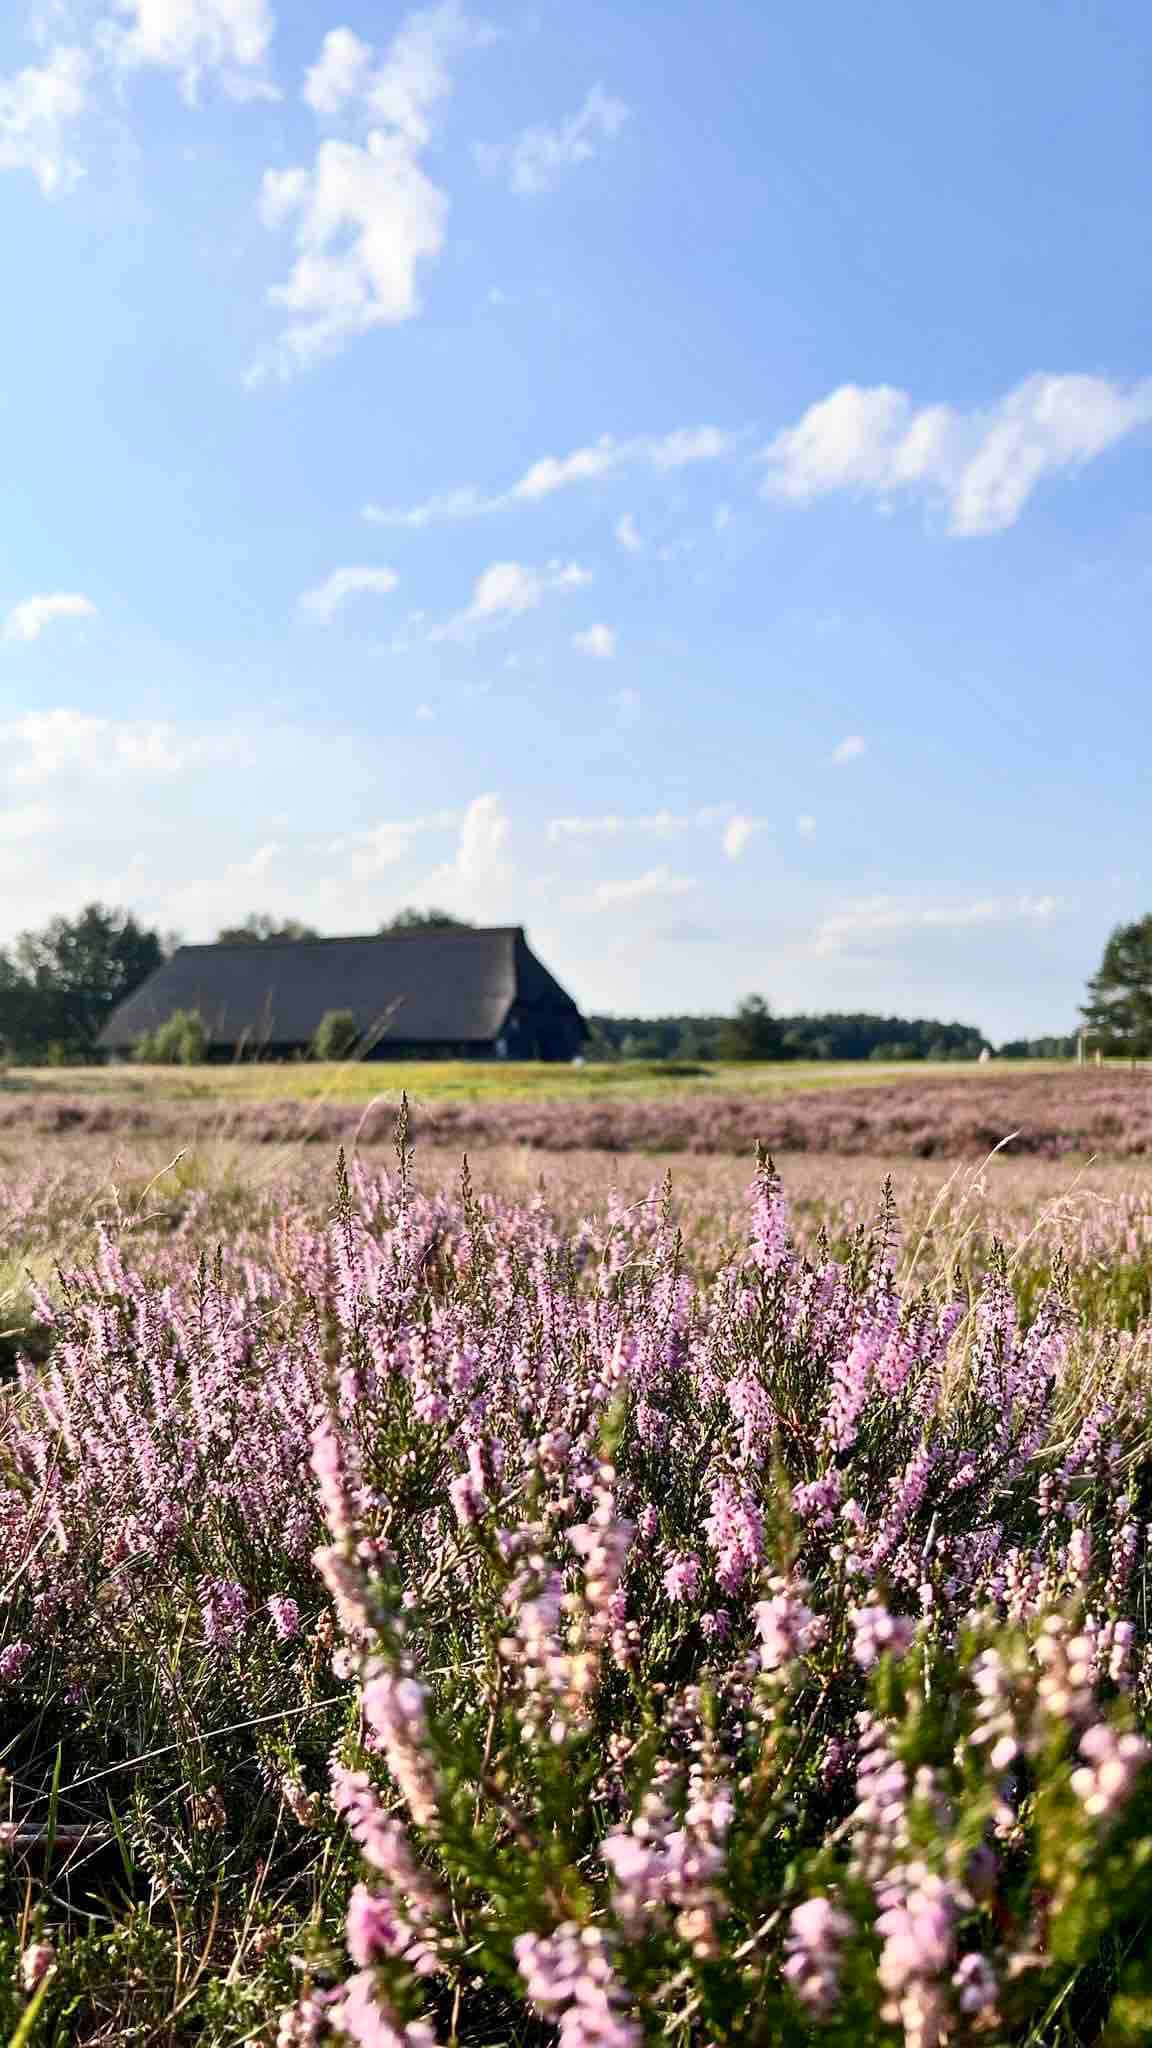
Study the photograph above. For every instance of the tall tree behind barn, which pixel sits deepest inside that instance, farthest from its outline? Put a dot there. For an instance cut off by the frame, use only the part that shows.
(468, 992)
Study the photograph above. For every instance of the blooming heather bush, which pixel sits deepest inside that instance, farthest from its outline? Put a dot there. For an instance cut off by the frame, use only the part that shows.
(476, 1632)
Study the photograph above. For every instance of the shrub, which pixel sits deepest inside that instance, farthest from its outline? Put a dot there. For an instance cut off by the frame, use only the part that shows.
(181, 1041)
(334, 1036)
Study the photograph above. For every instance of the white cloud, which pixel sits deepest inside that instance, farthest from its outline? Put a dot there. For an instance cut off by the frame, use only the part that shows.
(654, 883)
(390, 841)
(627, 536)
(611, 825)
(805, 825)
(366, 216)
(411, 77)
(598, 641)
(196, 38)
(850, 749)
(505, 590)
(536, 157)
(42, 745)
(27, 621)
(739, 833)
(983, 462)
(722, 518)
(340, 73)
(19, 822)
(873, 917)
(483, 837)
(600, 460)
(36, 107)
(323, 603)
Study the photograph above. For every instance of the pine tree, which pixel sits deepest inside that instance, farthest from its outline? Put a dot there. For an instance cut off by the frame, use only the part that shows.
(1118, 1012)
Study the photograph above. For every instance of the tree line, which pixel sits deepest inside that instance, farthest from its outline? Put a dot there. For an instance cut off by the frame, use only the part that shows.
(59, 986)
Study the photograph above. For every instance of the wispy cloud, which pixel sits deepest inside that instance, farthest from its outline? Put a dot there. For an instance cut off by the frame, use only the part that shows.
(982, 462)
(390, 841)
(598, 641)
(536, 157)
(739, 833)
(504, 591)
(40, 746)
(626, 535)
(878, 917)
(650, 824)
(654, 883)
(805, 825)
(366, 217)
(597, 462)
(850, 749)
(322, 604)
(227, 40)
(37, 109)
(27, 620)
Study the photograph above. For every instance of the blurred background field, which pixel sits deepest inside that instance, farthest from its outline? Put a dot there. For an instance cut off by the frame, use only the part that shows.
(483, 1081)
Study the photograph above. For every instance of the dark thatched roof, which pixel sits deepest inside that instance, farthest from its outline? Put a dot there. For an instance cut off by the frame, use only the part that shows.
(453, 986)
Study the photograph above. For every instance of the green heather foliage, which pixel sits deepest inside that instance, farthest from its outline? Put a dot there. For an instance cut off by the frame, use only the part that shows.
(334, 1036)
(181, 1041)
(431, 1620)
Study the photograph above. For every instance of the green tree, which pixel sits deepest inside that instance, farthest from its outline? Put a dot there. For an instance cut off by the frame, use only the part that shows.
(334, 1036)
(753, 1033)
(264, 930)
(1118, 1012)
(59, 986)
(181, 1041)
(431, 920)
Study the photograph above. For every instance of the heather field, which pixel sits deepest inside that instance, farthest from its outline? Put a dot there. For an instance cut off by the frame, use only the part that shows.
(1054, 1113)
(557, 1603)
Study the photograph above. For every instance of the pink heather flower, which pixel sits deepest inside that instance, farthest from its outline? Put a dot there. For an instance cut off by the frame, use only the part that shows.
(285, 1616)
(681, 1575)
(347, 1582)
(878, 1634)
(716, 1626)
(569, 1977)
(383, 1842)
(369, 2020)
(224, 1610)
(975, 1983)
(468, 1502)
(817, 1932)
(1113, 1764)
(735, 1532)
(372, 1929)
(13, 1658)
(394, 1710)
(787, 1628)
(330, 1463)
(603, 1542)
(35, 1963)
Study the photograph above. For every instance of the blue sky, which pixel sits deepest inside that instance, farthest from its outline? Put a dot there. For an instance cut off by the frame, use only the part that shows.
(674, 478)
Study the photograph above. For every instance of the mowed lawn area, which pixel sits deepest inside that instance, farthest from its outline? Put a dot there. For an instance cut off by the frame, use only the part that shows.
(497, 1080)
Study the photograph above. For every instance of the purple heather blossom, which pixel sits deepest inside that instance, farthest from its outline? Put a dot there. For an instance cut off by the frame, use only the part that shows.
(1113, 1763)
(876, 1634)
(224, 1609)
(285, 1615)
(681, 1574)
(13, 1658)
(817, 1933)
